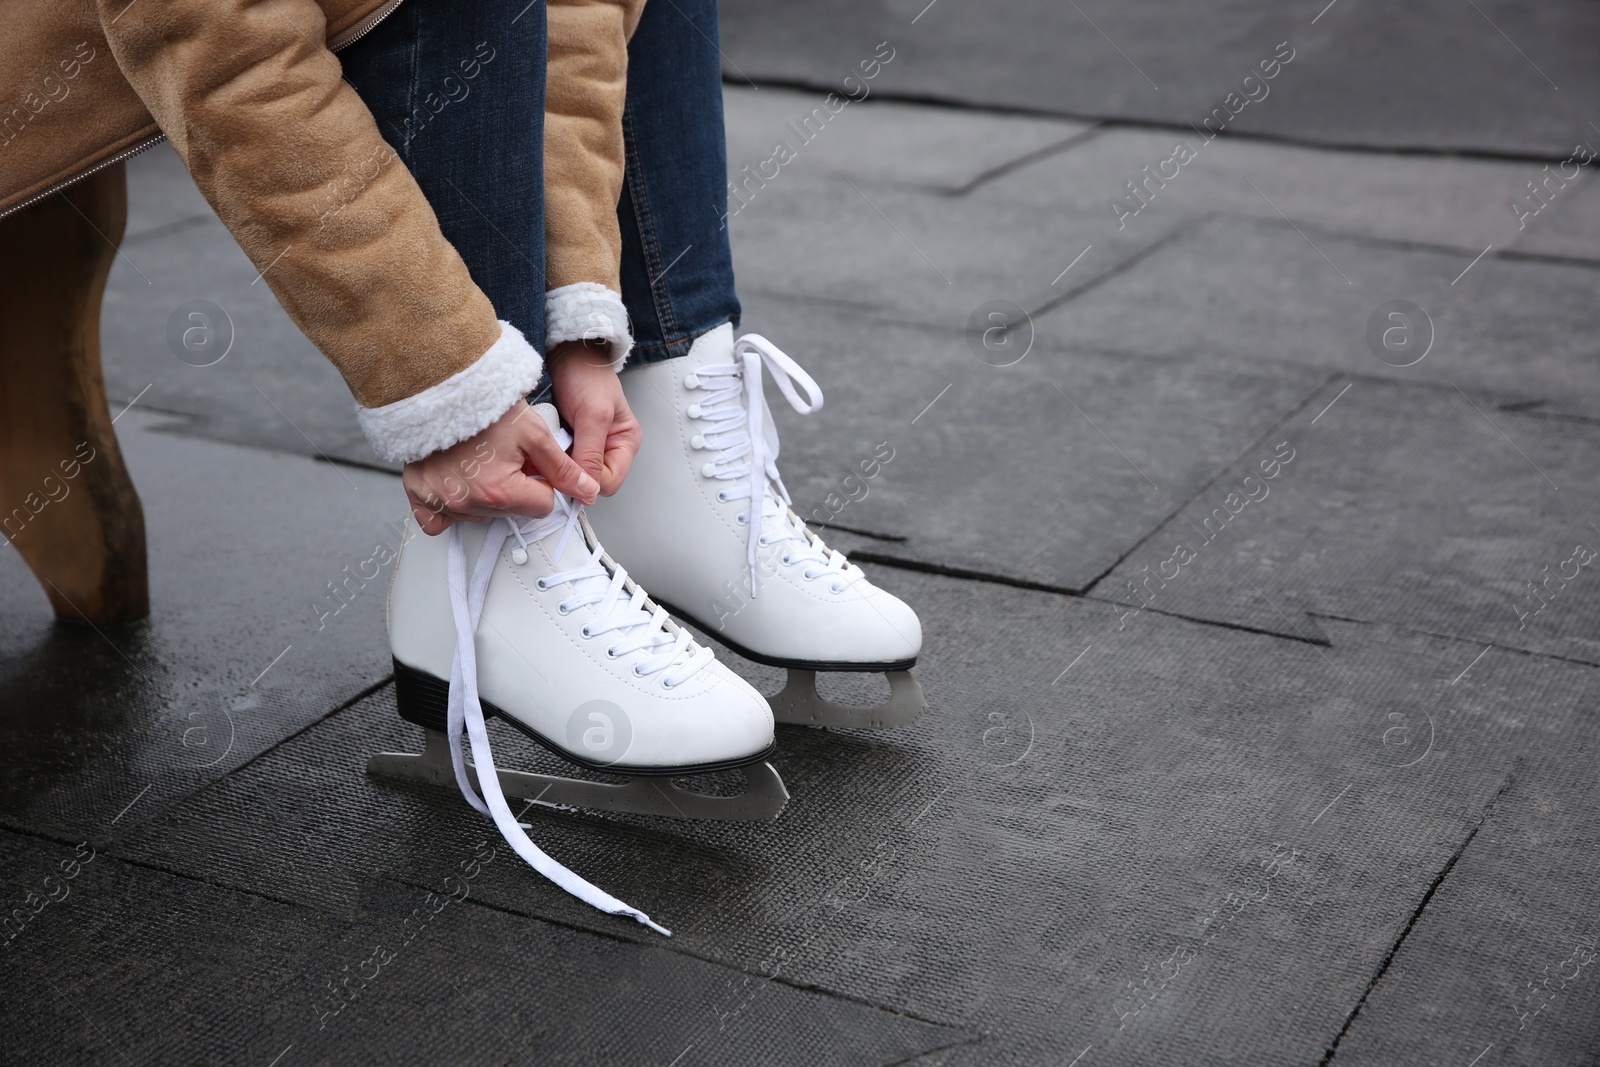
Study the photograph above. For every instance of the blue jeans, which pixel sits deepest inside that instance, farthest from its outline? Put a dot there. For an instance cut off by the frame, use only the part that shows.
(458, 90)
(677, 268)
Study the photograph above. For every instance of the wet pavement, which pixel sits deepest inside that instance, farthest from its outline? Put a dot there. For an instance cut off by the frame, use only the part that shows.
(1260, 640)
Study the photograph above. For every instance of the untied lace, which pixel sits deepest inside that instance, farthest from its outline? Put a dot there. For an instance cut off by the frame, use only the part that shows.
(642, 626)
(746, 443)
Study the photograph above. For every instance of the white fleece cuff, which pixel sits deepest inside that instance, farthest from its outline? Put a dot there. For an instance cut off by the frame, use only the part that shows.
(588, 311)
(458, 407)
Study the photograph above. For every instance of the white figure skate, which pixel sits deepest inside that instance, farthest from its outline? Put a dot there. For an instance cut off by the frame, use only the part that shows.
(704, 521)
(547, 632)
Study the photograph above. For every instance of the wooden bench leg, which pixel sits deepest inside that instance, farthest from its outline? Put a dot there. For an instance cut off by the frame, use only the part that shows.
(66, 501)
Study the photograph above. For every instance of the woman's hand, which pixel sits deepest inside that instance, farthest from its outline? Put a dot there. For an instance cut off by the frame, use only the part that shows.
(510, 468)
(605, 435)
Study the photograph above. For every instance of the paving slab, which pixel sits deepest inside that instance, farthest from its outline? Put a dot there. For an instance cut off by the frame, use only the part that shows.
(850, 230)
(236, 654)
(1418, 505)
(1447, 201)
(993, 470)
(913, 256)
(1504, 78)
(1150, 842)
(1526, 993)
(132, 965)
(939, 149)
(1234, 287)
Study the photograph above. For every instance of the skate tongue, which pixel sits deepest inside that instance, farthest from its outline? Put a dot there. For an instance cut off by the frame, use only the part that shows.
(565, 550)
(552, 419)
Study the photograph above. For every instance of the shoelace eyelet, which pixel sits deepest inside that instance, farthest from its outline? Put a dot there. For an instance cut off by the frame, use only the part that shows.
(709, 470)
(665, 684)
(742, 519)
(786, 559)
(542, 585)
(637, 673)
(562, 609)
(835, 587)
(519, 555)
(722, 496)
(584, 629)
(698, 441)
(691, 380)
(612, 653)
(693, 411)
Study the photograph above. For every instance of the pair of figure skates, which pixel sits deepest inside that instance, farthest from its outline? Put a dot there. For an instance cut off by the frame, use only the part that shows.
(534, 621)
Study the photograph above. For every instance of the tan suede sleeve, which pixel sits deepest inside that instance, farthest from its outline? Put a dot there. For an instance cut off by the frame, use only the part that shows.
(583, 150)
(292, 161)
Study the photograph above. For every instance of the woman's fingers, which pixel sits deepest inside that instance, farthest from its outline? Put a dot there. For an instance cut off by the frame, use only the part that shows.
(508, 493)
(513, 467)
(429, 521)
(555, 466)
(590, 425)
(622, 442)
(621, 447)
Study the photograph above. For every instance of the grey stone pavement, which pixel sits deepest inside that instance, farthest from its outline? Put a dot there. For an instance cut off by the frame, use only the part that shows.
(1250, 739)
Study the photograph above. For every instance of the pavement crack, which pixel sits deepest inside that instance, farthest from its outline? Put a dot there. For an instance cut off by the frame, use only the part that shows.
(967, 1039)
(859, 532)
(1555, 416)
(1119, 122)
(1222, 471)
(1466, 640)
(1218, 623)
(1012, 165)
(687, 949)
(1416, 914)
(1179, 232)
(966, 573)
(319, 720)
(1404, 244)
(148, 865)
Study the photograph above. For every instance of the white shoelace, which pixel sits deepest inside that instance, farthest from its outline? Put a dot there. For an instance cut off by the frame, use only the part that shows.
(746, 444)
(620, 609)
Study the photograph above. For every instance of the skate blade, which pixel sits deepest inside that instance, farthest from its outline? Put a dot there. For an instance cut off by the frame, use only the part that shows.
(799, 704)
(764, 796)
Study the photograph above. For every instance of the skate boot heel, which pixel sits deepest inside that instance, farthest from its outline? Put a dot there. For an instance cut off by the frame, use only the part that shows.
(421, 698)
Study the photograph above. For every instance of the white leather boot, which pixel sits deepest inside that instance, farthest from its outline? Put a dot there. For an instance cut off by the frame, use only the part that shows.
(704, 521)
(547, 632)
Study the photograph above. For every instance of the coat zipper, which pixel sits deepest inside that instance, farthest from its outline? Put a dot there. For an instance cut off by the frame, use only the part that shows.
(362, 28)
(342, 40)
